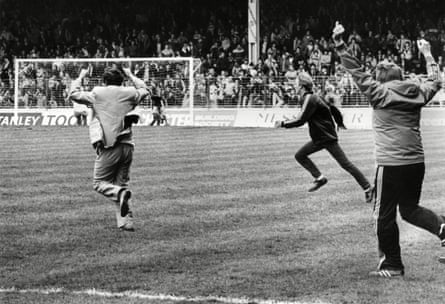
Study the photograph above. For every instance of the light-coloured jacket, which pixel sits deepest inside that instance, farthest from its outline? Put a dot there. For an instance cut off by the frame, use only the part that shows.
(110, 105)
(396, 117)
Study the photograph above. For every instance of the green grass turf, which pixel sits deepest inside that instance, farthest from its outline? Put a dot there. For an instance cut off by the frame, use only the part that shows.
(219, 211)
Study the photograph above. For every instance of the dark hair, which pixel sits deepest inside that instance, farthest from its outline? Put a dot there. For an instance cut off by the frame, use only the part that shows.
(113, 76)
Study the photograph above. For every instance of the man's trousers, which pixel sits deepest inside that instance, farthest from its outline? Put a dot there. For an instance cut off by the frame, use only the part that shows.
(399, 186)
(112, 170)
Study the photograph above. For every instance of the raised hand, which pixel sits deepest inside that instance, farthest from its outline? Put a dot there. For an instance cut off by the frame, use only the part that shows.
(83, 73)
(432, 68)
(424, 47)
(337, 33)
(278, 124)
(127, 72)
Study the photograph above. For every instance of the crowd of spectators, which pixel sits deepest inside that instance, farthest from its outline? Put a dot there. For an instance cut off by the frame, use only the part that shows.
(295, 36)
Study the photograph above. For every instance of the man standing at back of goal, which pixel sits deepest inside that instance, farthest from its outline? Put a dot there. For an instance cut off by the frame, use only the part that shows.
(397, 106)
(111, 135)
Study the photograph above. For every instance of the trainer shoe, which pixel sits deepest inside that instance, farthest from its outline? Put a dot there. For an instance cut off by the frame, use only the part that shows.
(369, 195)
(127, 223)
(442, 242)
(387, 273)
(318, 183)
(123, 202)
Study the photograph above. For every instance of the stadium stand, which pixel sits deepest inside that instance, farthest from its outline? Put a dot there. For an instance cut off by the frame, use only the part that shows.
(294, 37)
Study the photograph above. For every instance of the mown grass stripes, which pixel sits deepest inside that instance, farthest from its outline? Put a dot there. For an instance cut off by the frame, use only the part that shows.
(219, 211)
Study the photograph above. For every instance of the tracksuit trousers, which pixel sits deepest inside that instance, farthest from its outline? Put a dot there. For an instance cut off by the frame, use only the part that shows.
(337, 153)
(399, 186)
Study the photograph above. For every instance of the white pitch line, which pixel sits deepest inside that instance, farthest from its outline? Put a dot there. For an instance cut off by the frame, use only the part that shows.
(157, 297)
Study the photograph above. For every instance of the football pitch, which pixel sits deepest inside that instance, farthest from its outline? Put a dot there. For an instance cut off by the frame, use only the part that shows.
(222, 215)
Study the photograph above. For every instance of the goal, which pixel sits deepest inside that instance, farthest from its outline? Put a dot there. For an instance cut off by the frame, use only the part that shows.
(44, 83)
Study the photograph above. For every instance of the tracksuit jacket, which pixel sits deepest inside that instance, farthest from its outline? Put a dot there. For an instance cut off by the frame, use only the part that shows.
(396, 117)
(317, 114)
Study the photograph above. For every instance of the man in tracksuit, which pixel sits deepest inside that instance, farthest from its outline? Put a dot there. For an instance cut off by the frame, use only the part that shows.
(111, 135)
(399, 152)
(322, 130)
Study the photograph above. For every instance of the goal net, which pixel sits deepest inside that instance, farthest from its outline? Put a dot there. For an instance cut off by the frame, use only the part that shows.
(45, 83)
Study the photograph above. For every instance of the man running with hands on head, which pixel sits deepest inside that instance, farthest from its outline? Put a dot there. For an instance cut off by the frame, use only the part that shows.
(111, 135)
(397, 106)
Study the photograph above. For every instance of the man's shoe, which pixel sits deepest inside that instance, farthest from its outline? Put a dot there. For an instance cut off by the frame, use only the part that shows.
(318, 183)
(442, 242)
(387, 273)
(370, 195)
(128, 223)
(123, 202)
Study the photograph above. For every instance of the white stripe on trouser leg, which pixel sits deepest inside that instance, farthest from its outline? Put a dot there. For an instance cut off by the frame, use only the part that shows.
(378, 193)
(378, 197)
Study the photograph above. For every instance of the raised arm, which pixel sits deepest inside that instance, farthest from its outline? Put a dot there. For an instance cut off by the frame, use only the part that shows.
(76, 94)
(140, 85)
(434, 82)
(431, 66)
(364, 80)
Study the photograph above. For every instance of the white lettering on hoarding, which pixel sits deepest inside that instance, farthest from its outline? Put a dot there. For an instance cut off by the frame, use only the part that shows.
(213, 117)
(31, 119)
(215, 120)
(357, 118)
(179, 120)
(59, 120)
(354, 118)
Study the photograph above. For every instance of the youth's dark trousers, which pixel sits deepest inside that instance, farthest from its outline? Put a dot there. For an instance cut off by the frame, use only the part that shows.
(337, 153)
(399, 186)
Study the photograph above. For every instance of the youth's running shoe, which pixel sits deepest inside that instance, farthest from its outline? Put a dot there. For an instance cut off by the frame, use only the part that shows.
(318, 183)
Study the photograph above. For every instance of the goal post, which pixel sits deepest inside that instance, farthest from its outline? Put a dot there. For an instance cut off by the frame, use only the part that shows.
(43, 83)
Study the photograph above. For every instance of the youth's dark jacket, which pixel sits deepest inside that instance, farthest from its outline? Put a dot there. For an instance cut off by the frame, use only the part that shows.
(318, 115)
